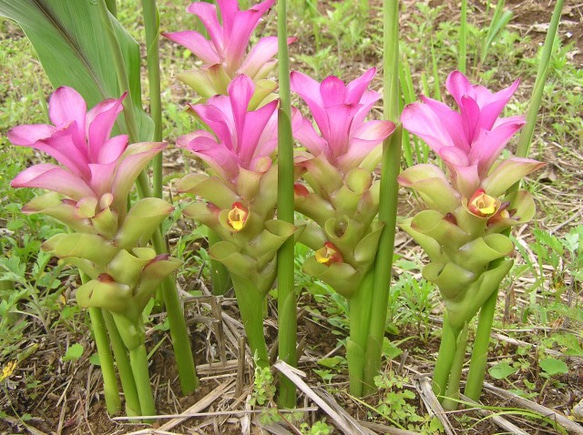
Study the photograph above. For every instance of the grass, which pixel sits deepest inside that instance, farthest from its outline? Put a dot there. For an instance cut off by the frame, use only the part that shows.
(543, 301)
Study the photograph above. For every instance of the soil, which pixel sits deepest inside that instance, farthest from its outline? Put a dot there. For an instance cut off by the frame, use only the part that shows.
(46, 395)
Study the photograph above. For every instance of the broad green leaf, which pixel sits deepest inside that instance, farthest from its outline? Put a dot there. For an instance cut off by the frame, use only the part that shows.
(554, 366)
(502, 370)
(71, 43)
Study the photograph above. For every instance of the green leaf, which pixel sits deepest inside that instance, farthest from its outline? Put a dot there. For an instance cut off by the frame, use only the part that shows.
(71, 43)
(73, 353)
(94, 359)
(553, 366)
(331, 362)
(502, 370)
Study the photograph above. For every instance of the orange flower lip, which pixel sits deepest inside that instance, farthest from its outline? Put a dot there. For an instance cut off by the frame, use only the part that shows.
(237, 216)
(328, 254)
(483, 205)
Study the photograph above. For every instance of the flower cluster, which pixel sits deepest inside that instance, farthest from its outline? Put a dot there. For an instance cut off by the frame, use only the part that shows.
(89, 195)
(468, 209)
(225, 55)
(342, 198)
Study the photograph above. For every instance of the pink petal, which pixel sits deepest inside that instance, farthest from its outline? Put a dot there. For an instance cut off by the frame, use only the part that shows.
(66, 105)
(356, 88)
(452, 122)
(197, 44)
(222, 160)
(135, 158)
(489, 144)
(184, 141)
(309, 90)
(305, 134)
(62, 147)
(421, 120)
(220, 121)
(237, 35)
(454, 156)
(240, 93)
(100, 121)
(259, 55)
(458, 86)
(102, 177)
(112, 149)
(470, 112)
(27, 135)
(333, 91)
(491, 109)
(340, 121)
(208, 15)
(254, 129)
(52, 177)
(367, 101)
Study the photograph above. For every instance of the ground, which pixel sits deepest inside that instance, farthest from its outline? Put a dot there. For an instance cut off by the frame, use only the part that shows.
(45, 394)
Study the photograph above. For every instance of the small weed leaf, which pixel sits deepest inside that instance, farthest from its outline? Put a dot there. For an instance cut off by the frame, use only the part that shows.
(553, 366)
(73, 353)
(502, 370)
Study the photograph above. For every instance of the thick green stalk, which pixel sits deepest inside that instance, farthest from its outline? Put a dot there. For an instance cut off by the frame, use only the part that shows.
(445, 357)
(124, 368)
(139, 363)
(152, 26)
(286, 296)
(388, 198)
(178, 331)
(250, 302)
(220, 278)
(110, 388)
(461, 63)
(453, 385)
(360, 306)
(479, 355)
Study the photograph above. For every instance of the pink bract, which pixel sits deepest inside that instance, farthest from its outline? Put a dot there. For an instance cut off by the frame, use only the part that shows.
(242, 139)
(468, 141)
(229, 40)
(93, 163)
(339, 111)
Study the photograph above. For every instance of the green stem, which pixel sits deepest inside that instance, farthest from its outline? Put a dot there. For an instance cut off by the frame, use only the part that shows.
(124, 368)
(525, 139)
(388, 202)
(453, 384)
(139, 363)
(110, 388)
(178, 331)
(479, 358)
(445, 357)
(359, 307)
(286, 296)
(463, 37)
(152, 26)
(250, 302)
(220, 278)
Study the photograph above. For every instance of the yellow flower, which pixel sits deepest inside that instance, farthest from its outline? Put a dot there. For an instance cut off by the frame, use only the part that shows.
(483, 205)
(237, 217)
(7, 370)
